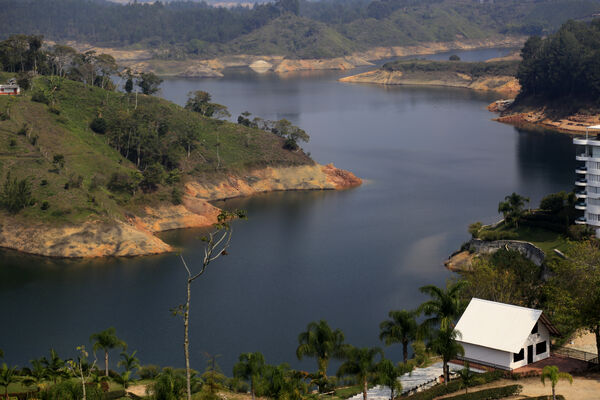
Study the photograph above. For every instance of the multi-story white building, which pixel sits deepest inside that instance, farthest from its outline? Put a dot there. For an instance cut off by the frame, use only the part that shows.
(588, 178)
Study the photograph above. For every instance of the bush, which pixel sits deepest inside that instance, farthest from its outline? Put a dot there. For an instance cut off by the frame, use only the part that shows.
(74, 182)
(176, 196)
(490, 394)
(16, 194)
(454, 386)
(71, 390)
(474, 229)
(99, 125)
(12, 143)
(290, 144)
(122, 182)
(489, 236)
(45, 205)
(554, 202)
(23, 130)
(24, 80)
(149, 371)
(40, 97)
(579, 232)
(58, 160)
(54, 110)
(454, 57)
(154, 175)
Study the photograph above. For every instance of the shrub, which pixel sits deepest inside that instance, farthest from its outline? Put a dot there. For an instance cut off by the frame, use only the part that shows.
(454, 386)
(496, 235)
(71, 390)
(45, 205)
(149, 371)
(122, 182)
(554, 202)
(154, 175)
(74, 182)
(23, 130)
(174, 176)
(54, 110)
(12, 143)
(40, 97)
(290, 144)
(176, 196)
(96, 182)
(490, 394)
(99, 125)
(24, 80)
(474, 229)
(16, 194)
(579, 232)
(58, 160)
(454, 57)
(44, 182)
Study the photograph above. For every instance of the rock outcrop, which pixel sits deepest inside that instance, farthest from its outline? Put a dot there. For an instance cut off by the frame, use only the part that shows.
(135, 235)
(502, 84)
(463, 260)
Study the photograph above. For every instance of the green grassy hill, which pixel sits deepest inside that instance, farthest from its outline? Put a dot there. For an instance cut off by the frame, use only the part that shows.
(75, 170)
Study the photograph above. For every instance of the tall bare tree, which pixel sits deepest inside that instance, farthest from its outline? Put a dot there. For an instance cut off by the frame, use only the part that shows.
(216, 244)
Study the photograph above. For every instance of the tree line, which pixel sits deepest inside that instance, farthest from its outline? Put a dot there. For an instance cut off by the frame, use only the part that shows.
(562, 65)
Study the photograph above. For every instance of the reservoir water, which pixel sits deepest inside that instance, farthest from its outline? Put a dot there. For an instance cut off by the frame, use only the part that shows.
(433, 162)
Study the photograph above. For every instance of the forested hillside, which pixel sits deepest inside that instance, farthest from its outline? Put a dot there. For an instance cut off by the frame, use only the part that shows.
(298, 28)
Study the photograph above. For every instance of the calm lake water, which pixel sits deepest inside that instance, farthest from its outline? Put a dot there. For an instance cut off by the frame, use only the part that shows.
(432, 161)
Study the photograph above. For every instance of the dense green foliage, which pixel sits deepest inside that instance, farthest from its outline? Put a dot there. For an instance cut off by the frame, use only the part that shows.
(15, 194)
(563, 65)
(490, 394)
(474, 69)
(302, 28)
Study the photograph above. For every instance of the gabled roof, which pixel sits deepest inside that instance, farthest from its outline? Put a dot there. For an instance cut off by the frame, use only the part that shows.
(495, 325)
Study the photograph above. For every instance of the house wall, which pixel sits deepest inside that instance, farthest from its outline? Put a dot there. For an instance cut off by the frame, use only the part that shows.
(487, 356)
(533, 339)
(503, 359)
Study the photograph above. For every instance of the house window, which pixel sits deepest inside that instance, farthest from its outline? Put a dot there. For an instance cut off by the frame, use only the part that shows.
(535, 329)
(520, 355)
(540, 348)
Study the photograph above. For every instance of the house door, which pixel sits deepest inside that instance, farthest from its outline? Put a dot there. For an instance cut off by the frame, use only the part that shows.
(530, 354)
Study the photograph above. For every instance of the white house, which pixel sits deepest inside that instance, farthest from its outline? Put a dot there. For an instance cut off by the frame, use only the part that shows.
(502, 335)
(588, 180)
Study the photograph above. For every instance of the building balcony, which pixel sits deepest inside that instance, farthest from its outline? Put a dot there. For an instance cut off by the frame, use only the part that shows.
(581, 182)
(591, 141)
(581, 221)
(581, 170)
(581, 205)
(581, 194)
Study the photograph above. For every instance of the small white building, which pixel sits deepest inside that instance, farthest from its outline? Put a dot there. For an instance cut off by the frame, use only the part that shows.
(503, 336)
(10, 89)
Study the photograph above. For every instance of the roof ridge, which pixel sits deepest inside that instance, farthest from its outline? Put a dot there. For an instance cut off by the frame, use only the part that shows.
(506, 304)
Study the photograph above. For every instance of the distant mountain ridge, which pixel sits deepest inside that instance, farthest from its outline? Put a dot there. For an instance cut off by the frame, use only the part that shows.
(292, 28)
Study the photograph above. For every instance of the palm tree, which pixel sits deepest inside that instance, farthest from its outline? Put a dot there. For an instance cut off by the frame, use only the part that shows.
(55, 366)
(106, 341)
(129, 361)
(551, 372)
(7, 377)
(444, 307)
(321, 342)
(123, 379)
(467, 377)
(250, 367)
(445, 344)
(388, 375)
(512, 208)
(36, 375)
(400, 328)
(167, 386)
(361, 363)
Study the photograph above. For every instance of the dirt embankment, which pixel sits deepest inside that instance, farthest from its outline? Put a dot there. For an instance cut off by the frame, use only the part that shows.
(136, 237)
(507, 85)
(143, 60)
(541, 118)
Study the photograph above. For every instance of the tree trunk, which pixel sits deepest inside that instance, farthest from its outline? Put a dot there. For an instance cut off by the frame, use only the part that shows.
(252, 388)
(597, 333)
(405, 351)
(186, 341)
(446, 374)
(106, 362)
(365, 388)
(553, 393)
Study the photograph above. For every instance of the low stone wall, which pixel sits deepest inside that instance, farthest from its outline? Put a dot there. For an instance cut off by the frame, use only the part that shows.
(528, 250)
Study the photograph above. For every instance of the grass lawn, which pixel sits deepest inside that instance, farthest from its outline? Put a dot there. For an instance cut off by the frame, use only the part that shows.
(544, 239)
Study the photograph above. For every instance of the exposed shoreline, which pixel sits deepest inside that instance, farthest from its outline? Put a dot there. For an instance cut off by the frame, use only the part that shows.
(142, 60)
(539, 119)
(136, 235)
(507, 85)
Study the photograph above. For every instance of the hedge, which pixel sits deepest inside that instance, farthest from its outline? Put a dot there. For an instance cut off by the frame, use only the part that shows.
(454, 386)
(489, 394)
